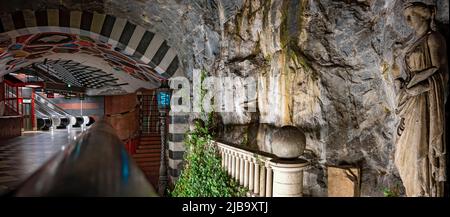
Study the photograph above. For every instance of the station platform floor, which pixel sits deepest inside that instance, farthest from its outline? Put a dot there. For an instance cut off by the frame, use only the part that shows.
(21, 156)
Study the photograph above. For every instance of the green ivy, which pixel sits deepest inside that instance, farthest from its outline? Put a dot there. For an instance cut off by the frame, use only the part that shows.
(392, 192)
(203, 175)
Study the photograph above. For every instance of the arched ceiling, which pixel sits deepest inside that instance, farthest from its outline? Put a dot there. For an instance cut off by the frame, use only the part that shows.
(190, 27)
(28, 36)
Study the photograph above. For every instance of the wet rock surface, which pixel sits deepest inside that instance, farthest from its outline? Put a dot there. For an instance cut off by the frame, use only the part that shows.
(324, 66)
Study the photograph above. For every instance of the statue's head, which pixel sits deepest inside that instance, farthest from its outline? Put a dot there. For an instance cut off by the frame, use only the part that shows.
(419, 15)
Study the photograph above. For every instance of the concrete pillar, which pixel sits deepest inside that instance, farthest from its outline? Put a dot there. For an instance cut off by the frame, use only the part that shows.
(288, 177)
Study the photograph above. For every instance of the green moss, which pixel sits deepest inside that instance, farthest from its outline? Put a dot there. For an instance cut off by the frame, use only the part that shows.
(291, 16)
(289, 41)
(245, 141)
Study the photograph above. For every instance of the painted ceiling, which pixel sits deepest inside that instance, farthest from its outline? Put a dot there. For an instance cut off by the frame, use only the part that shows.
(133, 55)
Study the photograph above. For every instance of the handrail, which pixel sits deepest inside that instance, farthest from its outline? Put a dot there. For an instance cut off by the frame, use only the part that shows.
(46, 105)
(96, 164)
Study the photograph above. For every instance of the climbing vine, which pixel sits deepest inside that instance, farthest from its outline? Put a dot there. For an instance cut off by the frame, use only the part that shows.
(203, 175)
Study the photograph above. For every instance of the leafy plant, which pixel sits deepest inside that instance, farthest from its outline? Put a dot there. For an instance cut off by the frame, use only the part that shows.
(203, 175)
(388, 193)
(392, 192)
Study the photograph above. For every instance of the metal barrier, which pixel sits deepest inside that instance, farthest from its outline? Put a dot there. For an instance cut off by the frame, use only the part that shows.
(95, 165)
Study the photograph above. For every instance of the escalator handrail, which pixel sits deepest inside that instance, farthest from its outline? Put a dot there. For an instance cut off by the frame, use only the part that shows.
(55, 108)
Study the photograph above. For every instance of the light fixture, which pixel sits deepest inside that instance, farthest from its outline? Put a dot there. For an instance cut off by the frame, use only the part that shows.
(163, 96)
(163, 99)
(33, 85)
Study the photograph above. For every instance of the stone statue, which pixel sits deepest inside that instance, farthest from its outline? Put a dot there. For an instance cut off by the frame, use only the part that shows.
(420, 145)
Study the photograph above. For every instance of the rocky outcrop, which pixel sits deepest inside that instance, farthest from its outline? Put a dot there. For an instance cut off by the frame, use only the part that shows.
(326, 67)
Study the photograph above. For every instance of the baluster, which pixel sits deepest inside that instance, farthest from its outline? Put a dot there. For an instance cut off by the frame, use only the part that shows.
(262, 182)
(233, 165)
(223, 157)
(230, 159)
(241, 171)
(256, 178)
(269, 182)
(250, 175)
(238, 161)
(245, 172)
(225, 160)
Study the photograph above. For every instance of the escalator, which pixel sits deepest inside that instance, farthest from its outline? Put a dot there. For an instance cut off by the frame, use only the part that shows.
(50, 115)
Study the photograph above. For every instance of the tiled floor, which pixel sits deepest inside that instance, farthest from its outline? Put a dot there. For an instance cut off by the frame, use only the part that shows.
(21, 156)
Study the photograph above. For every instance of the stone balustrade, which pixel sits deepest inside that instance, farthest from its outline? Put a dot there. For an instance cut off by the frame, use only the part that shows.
(262, 173)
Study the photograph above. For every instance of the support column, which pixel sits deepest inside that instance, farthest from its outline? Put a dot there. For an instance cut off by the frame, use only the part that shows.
(288, 177)
(178, 125)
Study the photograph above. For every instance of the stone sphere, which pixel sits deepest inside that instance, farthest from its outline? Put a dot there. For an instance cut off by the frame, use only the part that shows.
(288, 142)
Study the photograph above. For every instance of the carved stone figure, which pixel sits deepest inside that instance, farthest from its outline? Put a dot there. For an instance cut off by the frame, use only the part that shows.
(420, 145)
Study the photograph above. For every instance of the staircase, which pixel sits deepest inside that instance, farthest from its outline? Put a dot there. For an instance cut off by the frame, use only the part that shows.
(147, 153)
(147, 156)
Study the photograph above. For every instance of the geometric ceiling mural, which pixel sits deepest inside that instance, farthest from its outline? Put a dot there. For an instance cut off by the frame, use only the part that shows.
(135, 58)
(78, 75)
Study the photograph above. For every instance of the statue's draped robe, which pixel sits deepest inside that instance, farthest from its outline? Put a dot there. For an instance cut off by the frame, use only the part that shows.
(420, 146)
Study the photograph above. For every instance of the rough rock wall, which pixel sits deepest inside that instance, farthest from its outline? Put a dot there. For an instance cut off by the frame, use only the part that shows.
(326, 67)
(323, 65)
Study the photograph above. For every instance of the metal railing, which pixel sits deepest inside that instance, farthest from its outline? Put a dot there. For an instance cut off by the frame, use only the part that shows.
(95, 165)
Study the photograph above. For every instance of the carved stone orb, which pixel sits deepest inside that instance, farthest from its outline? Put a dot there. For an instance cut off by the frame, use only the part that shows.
(288, 142)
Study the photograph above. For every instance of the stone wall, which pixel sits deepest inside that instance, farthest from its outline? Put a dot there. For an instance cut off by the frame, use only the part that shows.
(326, 67)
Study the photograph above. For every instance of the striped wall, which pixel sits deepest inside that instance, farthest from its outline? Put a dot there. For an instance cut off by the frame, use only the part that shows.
(133, 39)
(91, 106)
(179, 124)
